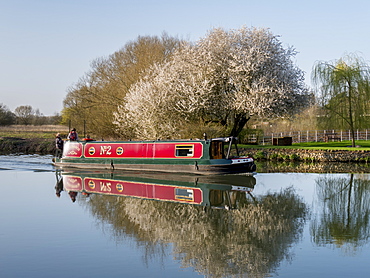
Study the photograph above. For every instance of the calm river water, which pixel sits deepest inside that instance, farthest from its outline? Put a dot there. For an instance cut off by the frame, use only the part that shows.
(273, 224)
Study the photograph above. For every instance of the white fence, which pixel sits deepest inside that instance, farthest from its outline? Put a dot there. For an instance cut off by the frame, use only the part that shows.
(311, 136)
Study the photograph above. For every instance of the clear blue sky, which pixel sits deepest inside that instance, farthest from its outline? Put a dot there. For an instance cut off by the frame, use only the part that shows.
(47, 45)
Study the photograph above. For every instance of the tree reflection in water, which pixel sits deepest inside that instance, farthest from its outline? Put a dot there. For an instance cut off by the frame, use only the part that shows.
(345, 211)
(249, 241)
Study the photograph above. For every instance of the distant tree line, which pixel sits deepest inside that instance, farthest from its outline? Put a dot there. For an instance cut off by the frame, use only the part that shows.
(26, 115)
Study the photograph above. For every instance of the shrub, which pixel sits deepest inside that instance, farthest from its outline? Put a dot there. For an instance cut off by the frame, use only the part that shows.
(274, 156)
(260, 155)
(294, 157)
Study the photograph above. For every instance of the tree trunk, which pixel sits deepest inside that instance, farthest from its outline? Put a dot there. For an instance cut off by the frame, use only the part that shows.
(353, 137)
(240, 121)
(351, 124)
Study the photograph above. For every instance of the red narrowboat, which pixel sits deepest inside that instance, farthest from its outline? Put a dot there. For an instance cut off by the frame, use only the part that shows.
(207, 156)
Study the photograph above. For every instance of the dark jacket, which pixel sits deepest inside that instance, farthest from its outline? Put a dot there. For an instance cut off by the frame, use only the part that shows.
(59, 143)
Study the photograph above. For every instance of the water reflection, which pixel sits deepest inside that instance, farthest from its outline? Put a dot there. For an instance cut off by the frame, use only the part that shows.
(251, 239)
(59, 185)
(344, 212)
(311, 167)
(208, 191)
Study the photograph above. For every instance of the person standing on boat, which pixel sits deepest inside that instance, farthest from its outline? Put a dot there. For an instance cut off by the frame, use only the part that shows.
(73, 136)
(58, 145)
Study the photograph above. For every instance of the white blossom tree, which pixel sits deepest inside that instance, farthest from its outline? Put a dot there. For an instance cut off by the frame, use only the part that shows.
(223, 78)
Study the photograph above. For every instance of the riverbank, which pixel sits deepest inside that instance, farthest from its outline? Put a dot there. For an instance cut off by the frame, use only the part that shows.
(311, 167)
(30, 139)
(307, 155)
(15, 145)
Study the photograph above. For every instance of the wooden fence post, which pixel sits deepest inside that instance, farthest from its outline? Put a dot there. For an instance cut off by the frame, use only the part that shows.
(272, 138)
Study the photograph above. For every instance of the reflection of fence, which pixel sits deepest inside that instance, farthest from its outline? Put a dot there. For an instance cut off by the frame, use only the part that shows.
(314, 136)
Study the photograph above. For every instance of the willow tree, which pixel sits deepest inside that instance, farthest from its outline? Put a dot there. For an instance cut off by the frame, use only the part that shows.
(223, 78)
(344, 90)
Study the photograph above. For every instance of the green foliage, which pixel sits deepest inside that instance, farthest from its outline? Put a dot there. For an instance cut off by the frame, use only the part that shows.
(6, 116)
(294, 157)
(250, 135)
(344, 87)
(260, 155)
(304, 120)
(274, 156)
(285, 156)
(95, 97)
(365, 159)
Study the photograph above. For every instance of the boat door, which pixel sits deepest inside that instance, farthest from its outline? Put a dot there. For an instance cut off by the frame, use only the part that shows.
(217, 150)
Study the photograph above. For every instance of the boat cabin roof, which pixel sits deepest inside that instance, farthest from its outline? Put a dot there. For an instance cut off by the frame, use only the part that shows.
(225, 139)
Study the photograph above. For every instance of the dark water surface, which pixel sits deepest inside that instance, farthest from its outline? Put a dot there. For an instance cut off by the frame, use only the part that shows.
(274, 224)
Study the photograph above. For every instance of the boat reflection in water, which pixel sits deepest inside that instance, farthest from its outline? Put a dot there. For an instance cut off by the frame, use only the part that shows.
(250, 240)
(207, 191)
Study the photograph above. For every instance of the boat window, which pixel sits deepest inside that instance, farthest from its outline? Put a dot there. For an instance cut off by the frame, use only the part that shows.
(217, 150)
(184, 150)
(216, 197)
(184, 194)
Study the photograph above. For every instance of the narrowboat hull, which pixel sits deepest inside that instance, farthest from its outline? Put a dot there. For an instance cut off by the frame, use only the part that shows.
(208, 191)
(187, 156)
